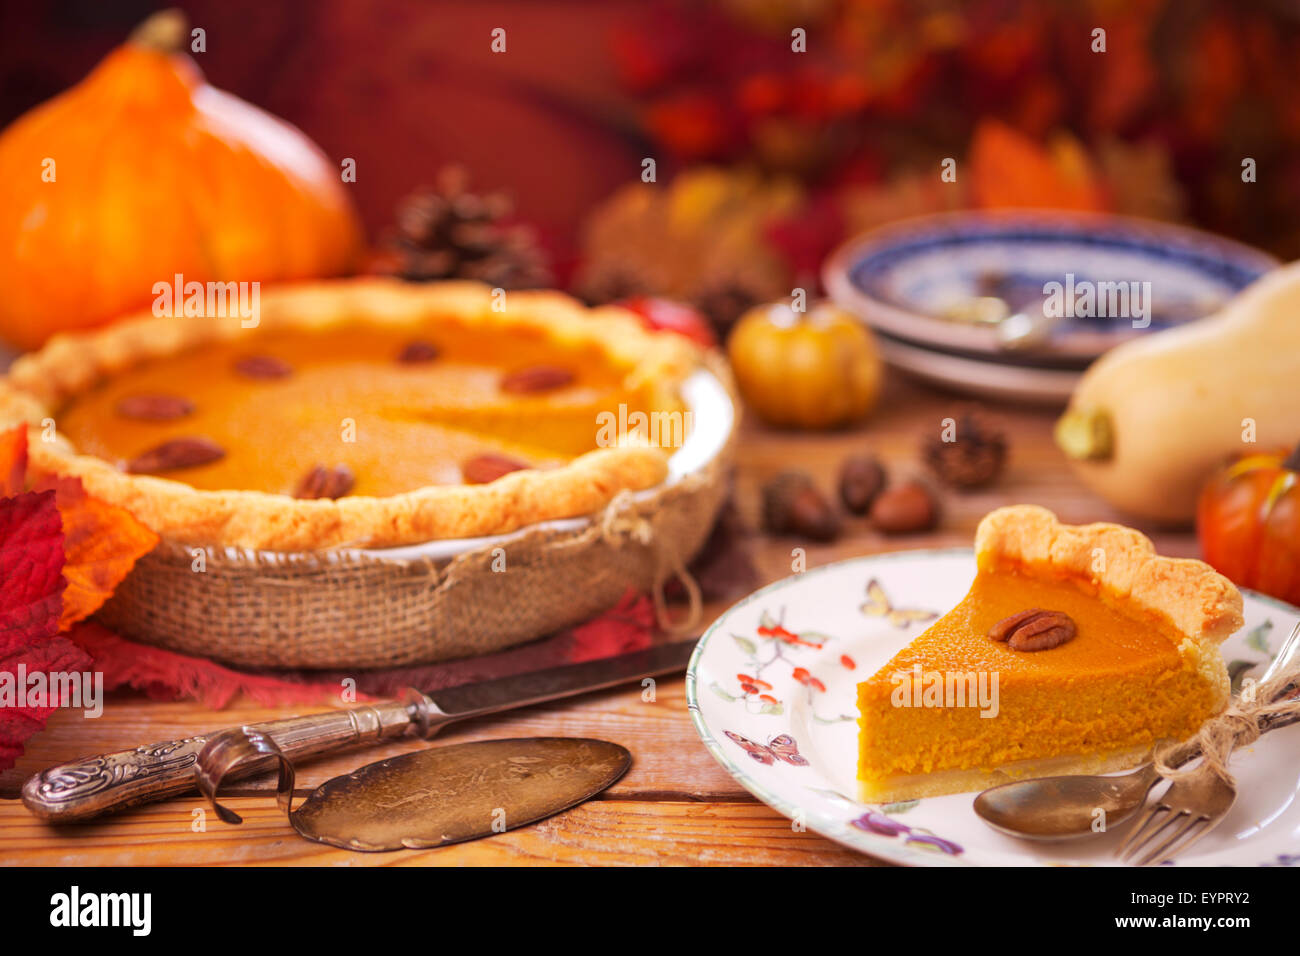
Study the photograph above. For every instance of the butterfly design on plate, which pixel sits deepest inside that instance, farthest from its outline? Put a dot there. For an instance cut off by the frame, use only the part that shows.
(878, 605)
(781, 747)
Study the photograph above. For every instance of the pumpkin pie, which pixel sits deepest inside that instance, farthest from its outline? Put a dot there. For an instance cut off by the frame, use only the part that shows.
(1076, 649)
(366, 413)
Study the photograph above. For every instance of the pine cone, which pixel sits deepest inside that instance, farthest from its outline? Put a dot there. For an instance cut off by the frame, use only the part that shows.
(976, 454)
(725, 300)
(614, 283)
(449, 232)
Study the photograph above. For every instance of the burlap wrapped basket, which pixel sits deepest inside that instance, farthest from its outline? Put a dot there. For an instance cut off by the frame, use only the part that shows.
(365, 609)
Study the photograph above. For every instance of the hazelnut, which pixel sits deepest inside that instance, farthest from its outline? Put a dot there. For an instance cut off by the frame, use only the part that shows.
(793, 505)
(861, 478)
(908, 508)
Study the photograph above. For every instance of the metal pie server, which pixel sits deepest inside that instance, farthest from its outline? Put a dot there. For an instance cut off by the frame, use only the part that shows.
(440, 795)
(91, 786)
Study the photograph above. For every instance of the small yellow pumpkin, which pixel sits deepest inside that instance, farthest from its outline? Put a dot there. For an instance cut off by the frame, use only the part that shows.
(143, 171)
(814, 369)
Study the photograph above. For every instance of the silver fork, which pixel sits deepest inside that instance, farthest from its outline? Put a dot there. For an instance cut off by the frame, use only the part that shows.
(1194, 805)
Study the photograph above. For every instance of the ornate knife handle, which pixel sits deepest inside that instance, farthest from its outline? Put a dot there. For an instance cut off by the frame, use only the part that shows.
(93, 785)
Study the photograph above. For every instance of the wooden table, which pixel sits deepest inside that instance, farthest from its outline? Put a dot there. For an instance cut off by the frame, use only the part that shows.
(675, 806)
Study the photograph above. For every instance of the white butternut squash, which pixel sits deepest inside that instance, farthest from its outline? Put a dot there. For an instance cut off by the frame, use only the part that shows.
(1150, 421)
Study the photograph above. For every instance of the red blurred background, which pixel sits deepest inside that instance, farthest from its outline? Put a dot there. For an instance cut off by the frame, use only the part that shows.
(1157, 125)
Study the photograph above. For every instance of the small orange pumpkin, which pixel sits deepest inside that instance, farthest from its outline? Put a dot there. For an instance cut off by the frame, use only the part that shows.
(1248, 523)
(817, 369)
(143, 171)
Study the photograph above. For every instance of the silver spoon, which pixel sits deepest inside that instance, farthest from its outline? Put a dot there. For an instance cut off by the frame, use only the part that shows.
(1065, 807)
(1025, 331)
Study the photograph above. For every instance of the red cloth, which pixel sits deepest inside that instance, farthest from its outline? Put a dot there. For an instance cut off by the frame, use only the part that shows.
(166, 675)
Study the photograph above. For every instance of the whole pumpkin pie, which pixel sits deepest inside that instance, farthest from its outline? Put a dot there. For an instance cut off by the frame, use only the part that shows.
(1075, 651)
(358, 413)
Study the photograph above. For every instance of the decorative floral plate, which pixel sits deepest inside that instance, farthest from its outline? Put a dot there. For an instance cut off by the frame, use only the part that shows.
(772, 692)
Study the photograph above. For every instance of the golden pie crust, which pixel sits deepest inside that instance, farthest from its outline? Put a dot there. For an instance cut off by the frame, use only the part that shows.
(654, 363)
(1196, 600)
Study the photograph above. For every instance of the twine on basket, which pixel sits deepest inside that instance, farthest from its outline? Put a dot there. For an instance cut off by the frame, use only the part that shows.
(1241, 724)
(622, 522)
(330, 610)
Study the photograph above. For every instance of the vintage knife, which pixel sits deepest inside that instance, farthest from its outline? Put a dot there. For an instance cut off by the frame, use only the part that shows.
(91, 786)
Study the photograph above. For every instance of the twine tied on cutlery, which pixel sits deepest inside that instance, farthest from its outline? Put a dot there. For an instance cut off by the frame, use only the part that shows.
(1239, 725)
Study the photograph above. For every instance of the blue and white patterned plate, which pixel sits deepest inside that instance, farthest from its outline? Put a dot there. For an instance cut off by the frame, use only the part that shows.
(772, 692)
(904, 278)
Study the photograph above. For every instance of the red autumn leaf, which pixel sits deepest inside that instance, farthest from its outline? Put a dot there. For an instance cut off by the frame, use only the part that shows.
(693, 125)
(31, 562)
(31, 600)
(55, 655)
(805, 239)
(622, 629)
(13, 460)
(101, 543)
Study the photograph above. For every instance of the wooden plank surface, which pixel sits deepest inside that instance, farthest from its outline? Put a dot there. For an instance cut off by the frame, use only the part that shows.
(671, 764)
(675, 806)
(604, 832)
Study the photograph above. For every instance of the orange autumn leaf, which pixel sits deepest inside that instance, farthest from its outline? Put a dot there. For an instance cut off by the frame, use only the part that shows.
(1008, 169)
(13, 460)
(101, 543)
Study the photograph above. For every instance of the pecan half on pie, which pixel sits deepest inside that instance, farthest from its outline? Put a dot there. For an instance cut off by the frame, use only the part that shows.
(364, 413)
(1100, 648)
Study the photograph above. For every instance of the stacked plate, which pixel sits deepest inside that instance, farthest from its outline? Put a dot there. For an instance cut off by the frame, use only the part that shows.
(1016, 304)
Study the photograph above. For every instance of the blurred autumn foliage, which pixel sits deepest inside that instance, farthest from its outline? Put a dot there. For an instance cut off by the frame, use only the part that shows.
(1143, 107)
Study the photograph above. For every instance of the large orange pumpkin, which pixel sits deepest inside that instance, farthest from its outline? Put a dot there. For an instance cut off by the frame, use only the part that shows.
(1248, 523)
(143, 171)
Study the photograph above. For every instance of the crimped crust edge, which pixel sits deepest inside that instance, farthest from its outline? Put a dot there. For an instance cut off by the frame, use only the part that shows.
(38, 383)
(1198, 601)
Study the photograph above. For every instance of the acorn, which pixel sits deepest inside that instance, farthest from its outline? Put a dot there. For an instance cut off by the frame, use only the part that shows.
(976, 453)
(793, 505)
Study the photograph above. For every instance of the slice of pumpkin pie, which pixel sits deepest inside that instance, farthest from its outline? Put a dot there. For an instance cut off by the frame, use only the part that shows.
(1076, 649)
